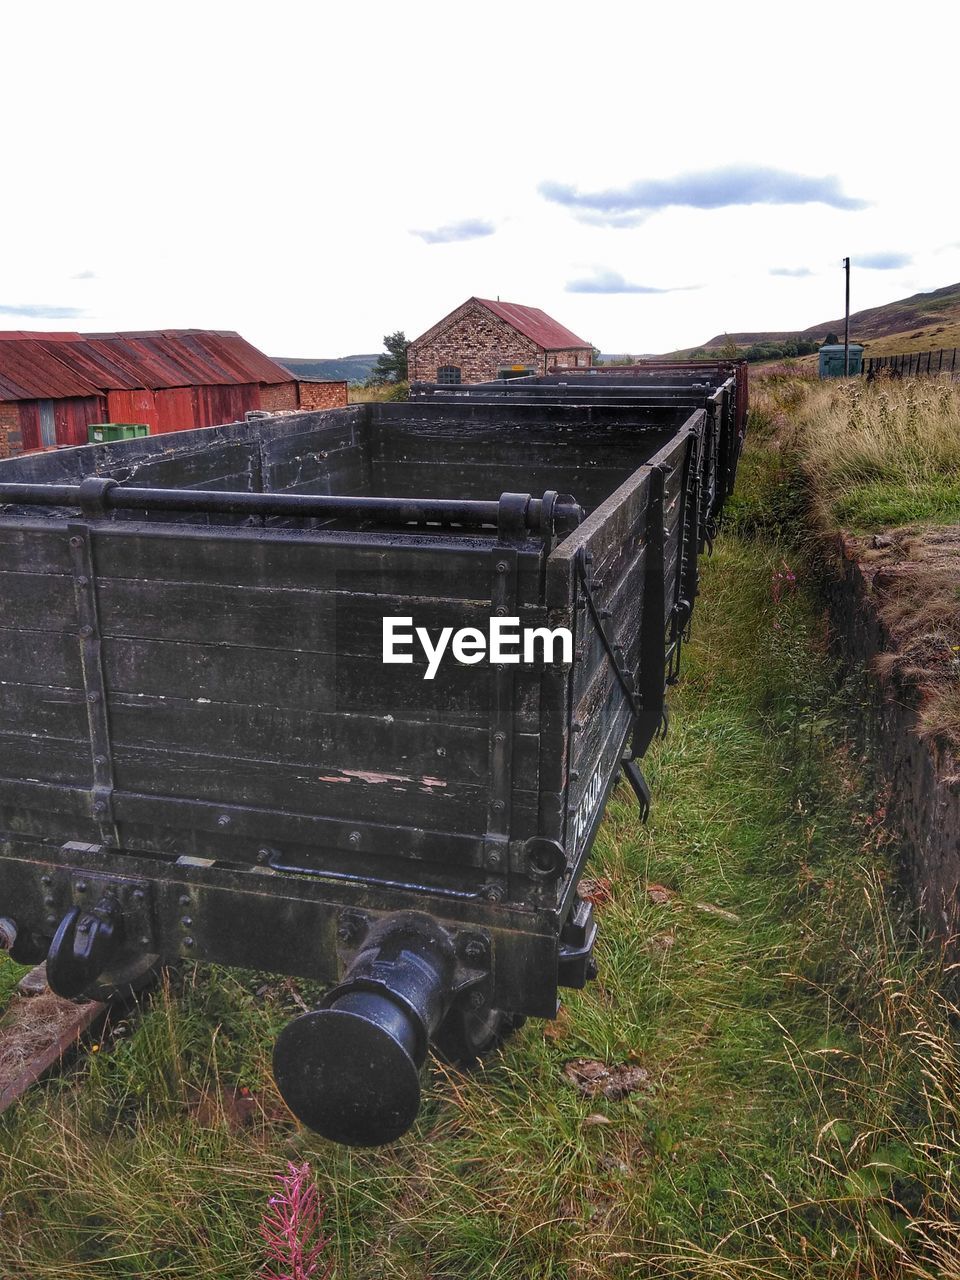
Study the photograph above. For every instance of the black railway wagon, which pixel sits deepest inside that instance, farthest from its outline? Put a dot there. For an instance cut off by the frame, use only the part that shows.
(721, 388)
(203, 754)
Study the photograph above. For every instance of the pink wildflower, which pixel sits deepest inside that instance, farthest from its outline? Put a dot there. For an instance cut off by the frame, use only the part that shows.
(291, 1229)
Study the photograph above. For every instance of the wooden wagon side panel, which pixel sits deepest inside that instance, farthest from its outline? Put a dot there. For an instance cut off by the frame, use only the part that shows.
(243, 692)
(610, 571)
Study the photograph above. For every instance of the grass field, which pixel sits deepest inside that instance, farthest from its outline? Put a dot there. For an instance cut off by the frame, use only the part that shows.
(795, 1113)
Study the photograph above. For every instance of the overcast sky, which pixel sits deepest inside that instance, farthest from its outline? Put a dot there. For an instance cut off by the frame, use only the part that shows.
(316, 175)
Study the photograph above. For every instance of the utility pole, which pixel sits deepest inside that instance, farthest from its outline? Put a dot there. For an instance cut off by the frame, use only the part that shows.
(846, 323)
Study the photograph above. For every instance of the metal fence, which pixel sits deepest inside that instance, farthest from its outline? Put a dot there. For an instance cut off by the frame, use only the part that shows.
(912, 365)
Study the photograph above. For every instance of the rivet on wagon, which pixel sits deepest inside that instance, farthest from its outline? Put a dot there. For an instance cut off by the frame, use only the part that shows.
(48, 902)
(93, 697)
(46, 879)
(76, 542)
(498, 805)
(499, 736)
(81, 886)
(186, 921)
(139, 895)
(493, 858)
(82, 580)
(86, 630)
(188, 942)
(184, 899)
(574, 775)
(223, 820)
(502, 566)
(354, 837)
(101, 760)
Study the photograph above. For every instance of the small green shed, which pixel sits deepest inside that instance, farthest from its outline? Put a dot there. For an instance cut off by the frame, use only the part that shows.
(831, 360)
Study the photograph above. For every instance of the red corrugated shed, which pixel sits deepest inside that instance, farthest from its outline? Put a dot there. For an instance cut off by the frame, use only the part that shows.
(48, 366)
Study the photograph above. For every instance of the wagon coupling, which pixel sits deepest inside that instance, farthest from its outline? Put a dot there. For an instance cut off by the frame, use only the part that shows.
(351, 1069)
(83, 946)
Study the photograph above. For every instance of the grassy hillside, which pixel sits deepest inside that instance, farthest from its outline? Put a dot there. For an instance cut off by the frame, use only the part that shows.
(923, 322)
(352, 368)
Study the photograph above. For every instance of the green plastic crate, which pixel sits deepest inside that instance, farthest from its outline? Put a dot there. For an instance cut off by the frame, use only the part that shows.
(99, 432)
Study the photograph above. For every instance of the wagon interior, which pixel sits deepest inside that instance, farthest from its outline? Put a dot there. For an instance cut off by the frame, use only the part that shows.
(405, 450)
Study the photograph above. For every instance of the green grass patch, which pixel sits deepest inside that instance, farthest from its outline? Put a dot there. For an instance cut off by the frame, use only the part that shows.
(887, 504)
(10, 975)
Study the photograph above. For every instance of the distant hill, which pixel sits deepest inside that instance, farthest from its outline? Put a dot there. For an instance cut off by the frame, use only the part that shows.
(922, 322)
(351, 368)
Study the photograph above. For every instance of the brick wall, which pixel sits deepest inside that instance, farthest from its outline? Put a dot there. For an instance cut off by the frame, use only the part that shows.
(579, 359)
(322, 395)
(476, 342)
(11, 439)
(278, 395)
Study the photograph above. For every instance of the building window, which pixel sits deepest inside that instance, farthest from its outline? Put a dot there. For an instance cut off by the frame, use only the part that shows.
(449, 374)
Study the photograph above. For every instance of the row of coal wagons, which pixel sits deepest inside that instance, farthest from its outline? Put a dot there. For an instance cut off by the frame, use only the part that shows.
(205, 756)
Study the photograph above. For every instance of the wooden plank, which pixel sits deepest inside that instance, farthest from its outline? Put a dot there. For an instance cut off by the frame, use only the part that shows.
(205, 467)
(330, 741)
(31, 545)
(43, 710)
(487, 481)
(43, 758)
(623, 447)
(307, 681)
(34, 657)
(616, 519)
(378, 795)
(36, 1034)
(415, 564)
(346, 623)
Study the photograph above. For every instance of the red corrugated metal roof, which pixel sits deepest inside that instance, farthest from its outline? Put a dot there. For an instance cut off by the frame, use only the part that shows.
(54, 365)
(29, 372)
(535, 324)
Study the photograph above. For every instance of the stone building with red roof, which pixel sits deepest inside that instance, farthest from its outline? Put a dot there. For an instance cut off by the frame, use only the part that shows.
(483, 339)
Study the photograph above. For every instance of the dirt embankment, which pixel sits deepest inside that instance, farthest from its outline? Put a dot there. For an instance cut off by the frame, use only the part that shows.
(895, 606)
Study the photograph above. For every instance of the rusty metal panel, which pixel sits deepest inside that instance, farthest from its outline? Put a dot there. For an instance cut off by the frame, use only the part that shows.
(176, 409)
(73, 417)
(133, 406)
(224, 404)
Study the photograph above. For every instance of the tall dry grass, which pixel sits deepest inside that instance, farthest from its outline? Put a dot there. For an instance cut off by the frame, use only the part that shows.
(876, 452)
